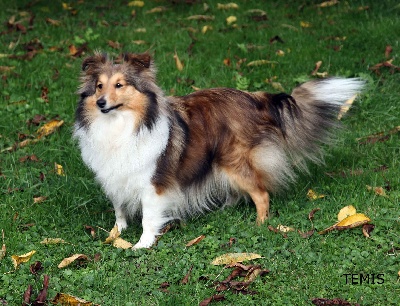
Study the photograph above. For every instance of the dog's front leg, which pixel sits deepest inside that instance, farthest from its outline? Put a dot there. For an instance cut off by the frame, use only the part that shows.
(155, 214)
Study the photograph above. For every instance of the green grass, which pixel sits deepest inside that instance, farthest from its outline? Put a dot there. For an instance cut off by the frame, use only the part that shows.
(301, 269)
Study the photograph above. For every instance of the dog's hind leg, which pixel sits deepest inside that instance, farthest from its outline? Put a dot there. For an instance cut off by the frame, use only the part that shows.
(247, 179)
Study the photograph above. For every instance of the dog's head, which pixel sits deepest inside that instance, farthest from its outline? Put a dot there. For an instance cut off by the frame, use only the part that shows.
(108, 87)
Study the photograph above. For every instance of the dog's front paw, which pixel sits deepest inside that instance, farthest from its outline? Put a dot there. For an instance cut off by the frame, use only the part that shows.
(145, 242)
(121, 224)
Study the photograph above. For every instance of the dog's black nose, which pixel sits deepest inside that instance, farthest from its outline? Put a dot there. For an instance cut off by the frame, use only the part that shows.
(101, 102)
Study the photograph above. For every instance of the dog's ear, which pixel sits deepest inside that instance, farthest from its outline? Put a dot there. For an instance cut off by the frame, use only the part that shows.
(139, 61)
(90, 62)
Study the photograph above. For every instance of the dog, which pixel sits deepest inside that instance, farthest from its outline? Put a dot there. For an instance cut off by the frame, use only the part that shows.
(168, 158)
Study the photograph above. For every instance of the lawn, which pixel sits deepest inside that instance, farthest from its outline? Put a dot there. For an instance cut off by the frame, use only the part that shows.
(271, 46)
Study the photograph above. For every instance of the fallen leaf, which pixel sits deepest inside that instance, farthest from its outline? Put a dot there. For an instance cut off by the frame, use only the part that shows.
(328, 3)
(114, 44)
(139, 42)
(352, 221)
(42, 296)
(378, 191)
(231, 258)
(59, 169)
(136, 3)
(116, 240)
(367, 229)
(230, 20)
(388, 51)
(261, 62)
(52, 241)
(64, 299)
(346, 212)
(378, 137)
(53, 22)
(195, 240)
(312, 213)
(216, 298)
(277, 86)
(307, 234)
(284, 229)
(158, 9)
(227, 6)
(3, 250)
(346, 106)
(205, 29)
(305, 24)
(178, 62)
(36, 267)
(49, 128)
(18, 259)
(201, 17)
(91, 229)
(312, 195)
(67, 261)
(37, 200)
(27, 296)
(330, 302)
(316, 68)
(185, 280)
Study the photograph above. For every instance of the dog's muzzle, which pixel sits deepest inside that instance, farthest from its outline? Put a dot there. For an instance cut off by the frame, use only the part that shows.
(101, 103)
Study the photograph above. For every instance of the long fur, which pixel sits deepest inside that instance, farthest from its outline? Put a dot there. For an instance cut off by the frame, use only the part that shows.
(173, 157)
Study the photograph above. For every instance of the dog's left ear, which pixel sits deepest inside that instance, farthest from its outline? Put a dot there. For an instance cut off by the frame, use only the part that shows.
(140, 61)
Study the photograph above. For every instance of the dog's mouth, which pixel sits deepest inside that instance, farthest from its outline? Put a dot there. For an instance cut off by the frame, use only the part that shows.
(107, 110)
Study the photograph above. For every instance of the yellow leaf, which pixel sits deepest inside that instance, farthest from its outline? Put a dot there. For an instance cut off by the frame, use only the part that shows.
(280, 52)
(305, 24)
(122, 244)
(64, 299)
(328, 3)
(67, 261)
(139, 42)
(39, 199)
(178, 62)
(136, 3)
(346, 106)
(231, 258)
(52, 241)
(346, 212)
(231, 19)
(59, 169)
(227, 6)
(140, 30)
(206, 28)
(157, 9)
(66, 6)
(49, 128)
(348, 222)
(201, 17)
(18, 259)
(312, 195)
(284, 229)
(114, 234)
(195, 240)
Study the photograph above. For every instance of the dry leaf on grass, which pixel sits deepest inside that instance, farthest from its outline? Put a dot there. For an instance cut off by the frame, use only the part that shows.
(116, 240)
(230, 20)
(261, 62)
(346, 212)
(346, 106)
(195, 240)
(312, 195)
(64, 299)
(136, 3)
(52, 241)
(227, 6)
(67, 261)
(232, 258)
(351, 221)
(49, 128)
(3, 250)
(18, 259)
(178, 62)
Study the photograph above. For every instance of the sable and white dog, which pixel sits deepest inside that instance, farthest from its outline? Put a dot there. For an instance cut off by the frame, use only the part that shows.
(172, 157)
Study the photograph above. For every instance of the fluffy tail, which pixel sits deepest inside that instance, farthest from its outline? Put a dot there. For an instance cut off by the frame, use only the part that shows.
(310, 121)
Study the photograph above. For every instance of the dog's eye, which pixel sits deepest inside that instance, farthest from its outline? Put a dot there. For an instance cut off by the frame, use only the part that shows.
(118, 85)
(99, 86)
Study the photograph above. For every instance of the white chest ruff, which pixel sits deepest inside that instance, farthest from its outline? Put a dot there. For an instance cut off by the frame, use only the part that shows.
(123, 159)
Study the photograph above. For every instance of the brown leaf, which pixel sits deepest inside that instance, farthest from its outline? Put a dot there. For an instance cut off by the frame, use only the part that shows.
(40, 199)
(276, 38)
(316, 68)
(330, 302)
(36, 267)
(307, 234)
(91, 229)
(53, 22)
(367, 229)
(388, 51)
(312, 213)
(216, 298)
(3, 250)
(114, 44)
(380, 136)
(41, 299)
(195, 240)
(28, 157)
(44, 94)
(185, 280)
(27, 296)
(36, 120)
